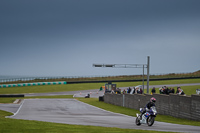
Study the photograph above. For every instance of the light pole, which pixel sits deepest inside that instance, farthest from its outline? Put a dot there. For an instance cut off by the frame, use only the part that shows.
(148, 65)
(130, 66)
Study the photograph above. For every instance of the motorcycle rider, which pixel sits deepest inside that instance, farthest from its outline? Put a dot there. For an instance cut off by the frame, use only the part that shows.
(150, 104)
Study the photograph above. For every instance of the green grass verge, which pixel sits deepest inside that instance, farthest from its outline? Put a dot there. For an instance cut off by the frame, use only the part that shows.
(50, 88)
(11, 100)
(7, 100)
(119, 77)
(162, 82)
(84, 86)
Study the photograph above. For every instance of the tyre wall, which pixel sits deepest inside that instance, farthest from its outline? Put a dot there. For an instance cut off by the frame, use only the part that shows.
(187, 107)
(32, 84)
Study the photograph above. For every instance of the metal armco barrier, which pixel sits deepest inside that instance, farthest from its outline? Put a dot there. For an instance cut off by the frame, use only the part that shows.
(32, 84)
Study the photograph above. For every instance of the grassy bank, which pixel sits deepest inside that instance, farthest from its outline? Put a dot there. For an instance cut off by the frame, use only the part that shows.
(103, 78)
(11, 100)
(84, 86)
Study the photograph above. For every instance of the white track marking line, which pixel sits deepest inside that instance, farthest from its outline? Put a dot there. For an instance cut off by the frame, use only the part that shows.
(105, 110)
(17, 110)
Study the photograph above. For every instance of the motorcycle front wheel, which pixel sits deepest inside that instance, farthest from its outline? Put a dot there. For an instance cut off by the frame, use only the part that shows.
(137, 121)
(150, 120)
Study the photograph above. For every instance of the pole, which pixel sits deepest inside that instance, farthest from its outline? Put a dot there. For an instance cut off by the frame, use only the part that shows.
(148, 61)
(143, 80)
(123, 99)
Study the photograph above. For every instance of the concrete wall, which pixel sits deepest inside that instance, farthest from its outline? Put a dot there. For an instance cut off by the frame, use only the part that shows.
(173, 105)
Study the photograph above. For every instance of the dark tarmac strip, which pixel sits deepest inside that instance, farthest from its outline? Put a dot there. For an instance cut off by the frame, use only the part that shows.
(71, 111)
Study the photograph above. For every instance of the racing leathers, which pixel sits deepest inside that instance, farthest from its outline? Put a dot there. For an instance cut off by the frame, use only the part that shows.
(147, 108)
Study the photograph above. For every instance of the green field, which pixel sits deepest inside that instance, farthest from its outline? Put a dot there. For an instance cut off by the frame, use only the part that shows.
(120, 77)
(87, 86)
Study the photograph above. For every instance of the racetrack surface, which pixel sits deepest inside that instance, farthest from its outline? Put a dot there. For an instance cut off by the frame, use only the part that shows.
(10, 107)
(93, 93)
(71, 111)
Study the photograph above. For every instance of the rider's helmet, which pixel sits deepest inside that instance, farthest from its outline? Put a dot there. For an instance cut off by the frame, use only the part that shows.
(153, 100)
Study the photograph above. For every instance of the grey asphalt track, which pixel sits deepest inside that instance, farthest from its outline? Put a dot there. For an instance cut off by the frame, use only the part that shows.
(10, 107)
(81, 92)
(71, 111)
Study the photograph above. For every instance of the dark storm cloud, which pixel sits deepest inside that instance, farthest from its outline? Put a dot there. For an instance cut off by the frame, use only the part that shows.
(50, 14)
(40, 31)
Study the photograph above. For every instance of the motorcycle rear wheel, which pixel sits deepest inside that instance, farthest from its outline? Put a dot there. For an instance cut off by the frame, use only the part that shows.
(137, 121)
(150, 120)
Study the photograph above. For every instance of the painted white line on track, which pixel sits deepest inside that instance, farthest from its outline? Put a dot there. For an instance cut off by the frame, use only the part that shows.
(105, 110)
(17, 110)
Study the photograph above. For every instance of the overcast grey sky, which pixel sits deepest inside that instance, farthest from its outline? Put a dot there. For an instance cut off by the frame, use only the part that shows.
(65, 37)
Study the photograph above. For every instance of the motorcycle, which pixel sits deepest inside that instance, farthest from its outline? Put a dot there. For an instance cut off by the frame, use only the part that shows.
(147, 118)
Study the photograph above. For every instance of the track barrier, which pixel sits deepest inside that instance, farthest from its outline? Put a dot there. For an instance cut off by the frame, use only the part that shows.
(12, 95)
(32, 84)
